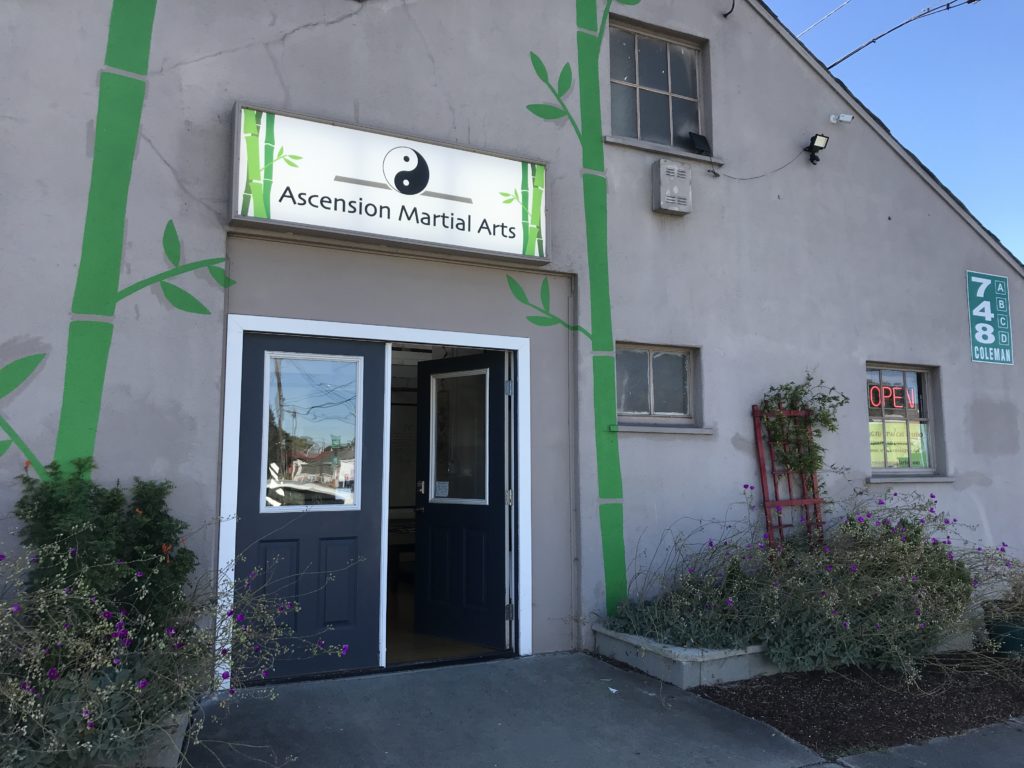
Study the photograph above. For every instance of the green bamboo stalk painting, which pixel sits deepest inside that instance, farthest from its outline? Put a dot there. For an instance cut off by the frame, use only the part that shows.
(259, 166)
(98, 288)
(591, 27)
(530, 197)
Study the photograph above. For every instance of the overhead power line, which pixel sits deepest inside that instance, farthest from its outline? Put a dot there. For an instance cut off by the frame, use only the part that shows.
(922, 15)
(827, 16)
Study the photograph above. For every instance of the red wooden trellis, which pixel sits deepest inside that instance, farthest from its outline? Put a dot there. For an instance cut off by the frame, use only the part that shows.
(786, 493)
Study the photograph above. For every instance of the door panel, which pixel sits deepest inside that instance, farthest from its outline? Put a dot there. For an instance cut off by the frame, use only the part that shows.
(309, 489)
(461, 507)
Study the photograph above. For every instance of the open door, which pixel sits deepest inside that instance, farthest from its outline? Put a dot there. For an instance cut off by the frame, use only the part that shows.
(462, 539)
(309, 489)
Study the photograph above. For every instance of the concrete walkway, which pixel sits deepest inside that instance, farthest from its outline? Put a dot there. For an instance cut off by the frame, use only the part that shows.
(553, 710)
(544, 711)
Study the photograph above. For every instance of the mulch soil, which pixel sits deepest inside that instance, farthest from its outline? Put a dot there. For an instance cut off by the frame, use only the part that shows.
(850, 711)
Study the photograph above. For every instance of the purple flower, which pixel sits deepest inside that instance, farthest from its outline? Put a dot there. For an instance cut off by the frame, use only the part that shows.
(846, 625)
(711, 543)
(34, 559)
(139, 574)
(223, 651)
(931, 495)
(764, 535)
(116, 661)
(257, 648)
(170, 631)
(264, 674)
(344, 649)
(108, 615)
(178, 646)
(225, 675)
(16, 608)
(73, 551)
(142, 684)
(231, 691)
(828, 568)
(320, 643)
(860, 518)
(853, 567)
(53, 673)
(778, 507)
(729, 602)
(881, 502)
(2, 557)
(90, 724)
(86, 714)
(240, 618)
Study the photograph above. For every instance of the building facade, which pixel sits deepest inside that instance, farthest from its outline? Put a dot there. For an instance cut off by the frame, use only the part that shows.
(467, 305)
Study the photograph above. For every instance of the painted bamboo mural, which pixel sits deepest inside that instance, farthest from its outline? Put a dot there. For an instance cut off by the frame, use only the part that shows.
(98, 283)
(530, 197)
(257, 134)
(592, 24)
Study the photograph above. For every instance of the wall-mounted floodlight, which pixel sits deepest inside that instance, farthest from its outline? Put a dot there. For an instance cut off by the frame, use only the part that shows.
(818, 142)
(840, 118)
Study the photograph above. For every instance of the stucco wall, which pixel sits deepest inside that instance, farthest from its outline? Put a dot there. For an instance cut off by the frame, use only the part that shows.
(823, 267)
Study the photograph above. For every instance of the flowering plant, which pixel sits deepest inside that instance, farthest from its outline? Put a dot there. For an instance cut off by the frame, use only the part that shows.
(104, 643)
(893, 579)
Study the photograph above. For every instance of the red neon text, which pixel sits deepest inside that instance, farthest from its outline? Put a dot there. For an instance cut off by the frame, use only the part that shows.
(892, 397)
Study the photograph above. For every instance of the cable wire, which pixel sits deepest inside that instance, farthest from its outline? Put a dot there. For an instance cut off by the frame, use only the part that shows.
(922, 15)
(715, 173)
(828, 15)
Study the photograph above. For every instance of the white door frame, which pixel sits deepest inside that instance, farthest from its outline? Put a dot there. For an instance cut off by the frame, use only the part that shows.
(238, 325)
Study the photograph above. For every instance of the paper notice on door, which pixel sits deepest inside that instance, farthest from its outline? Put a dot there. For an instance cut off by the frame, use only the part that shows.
(441, 489)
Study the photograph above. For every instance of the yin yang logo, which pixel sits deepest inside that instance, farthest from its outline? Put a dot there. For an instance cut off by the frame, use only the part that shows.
(406, 171)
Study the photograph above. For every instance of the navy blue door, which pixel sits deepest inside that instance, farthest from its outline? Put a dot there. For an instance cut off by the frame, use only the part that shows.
(461, 541)
(309, 490)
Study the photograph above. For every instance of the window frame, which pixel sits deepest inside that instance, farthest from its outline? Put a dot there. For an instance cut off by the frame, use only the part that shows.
(699, 48)
(928, 378)
(652, 418)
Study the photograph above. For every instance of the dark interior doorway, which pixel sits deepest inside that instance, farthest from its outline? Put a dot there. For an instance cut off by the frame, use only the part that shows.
(449, 536)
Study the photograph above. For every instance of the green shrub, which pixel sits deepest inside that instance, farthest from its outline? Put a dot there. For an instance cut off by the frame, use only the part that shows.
(100, 645)
(888, 584)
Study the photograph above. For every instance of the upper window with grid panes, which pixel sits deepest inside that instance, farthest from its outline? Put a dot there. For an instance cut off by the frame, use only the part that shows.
(656, 84)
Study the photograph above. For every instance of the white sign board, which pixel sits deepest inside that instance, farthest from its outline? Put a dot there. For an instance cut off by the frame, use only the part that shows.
(293, 171)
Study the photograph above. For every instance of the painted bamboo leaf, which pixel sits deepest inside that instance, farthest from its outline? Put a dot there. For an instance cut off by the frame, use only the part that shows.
(4, 445)
(547, 111)
(543, 320)
(172, 244)
(629, 2)
(564, 80)
(545, 295)
(538, 67)
(289, 161)
(183, 300)
(13, 375)
(517, 290)
(221, 277)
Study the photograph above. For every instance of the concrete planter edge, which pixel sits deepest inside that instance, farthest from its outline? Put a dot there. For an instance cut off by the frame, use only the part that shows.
(682, 667)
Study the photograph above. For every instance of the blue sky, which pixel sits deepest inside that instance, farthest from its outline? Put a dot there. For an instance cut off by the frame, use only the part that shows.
(949, 87)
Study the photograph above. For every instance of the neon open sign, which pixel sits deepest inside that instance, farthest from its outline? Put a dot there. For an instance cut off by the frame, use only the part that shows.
(892, 397)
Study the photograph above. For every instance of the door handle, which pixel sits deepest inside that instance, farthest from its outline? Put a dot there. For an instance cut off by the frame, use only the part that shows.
(421, 486)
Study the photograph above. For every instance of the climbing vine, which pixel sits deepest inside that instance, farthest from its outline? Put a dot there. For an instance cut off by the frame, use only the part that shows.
(795, 417)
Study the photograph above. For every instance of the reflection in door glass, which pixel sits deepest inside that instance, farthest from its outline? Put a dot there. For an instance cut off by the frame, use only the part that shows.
(312, 431)
(460, 437)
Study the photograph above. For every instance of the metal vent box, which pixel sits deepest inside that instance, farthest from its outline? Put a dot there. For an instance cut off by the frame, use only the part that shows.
(672, 190)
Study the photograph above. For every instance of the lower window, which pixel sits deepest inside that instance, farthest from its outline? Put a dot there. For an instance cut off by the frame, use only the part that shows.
(900, 424)
(655, 383)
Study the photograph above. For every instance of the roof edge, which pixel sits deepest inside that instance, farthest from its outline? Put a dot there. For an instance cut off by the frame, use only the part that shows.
(912, 160)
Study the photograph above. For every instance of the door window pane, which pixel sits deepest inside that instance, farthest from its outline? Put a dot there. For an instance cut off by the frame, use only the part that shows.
(670, 383)
(460, 437)
(312, 431)
(633, 385)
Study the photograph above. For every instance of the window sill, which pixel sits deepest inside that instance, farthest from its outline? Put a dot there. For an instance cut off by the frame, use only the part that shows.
(663, 149)
(662, 429)
(903, 479)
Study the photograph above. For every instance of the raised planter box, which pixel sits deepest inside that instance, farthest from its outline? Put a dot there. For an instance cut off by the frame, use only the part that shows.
(683, 667)
(167, 752)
